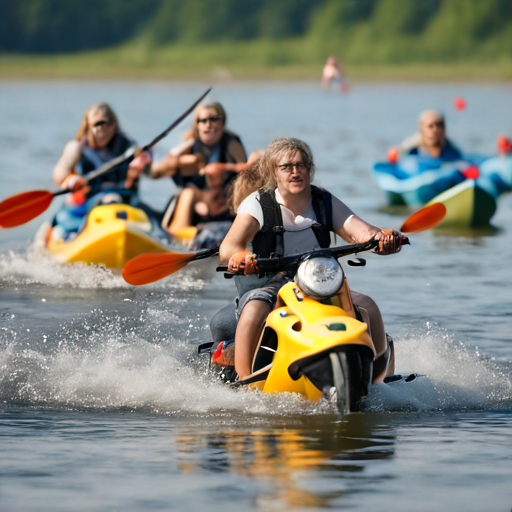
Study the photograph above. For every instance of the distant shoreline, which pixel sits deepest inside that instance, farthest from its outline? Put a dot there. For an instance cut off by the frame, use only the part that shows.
(105, 66)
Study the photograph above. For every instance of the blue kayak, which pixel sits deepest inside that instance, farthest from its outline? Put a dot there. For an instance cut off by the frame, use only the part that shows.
(416, 180)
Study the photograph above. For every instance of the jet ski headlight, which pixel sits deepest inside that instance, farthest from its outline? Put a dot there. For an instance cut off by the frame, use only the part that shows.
(320, 277)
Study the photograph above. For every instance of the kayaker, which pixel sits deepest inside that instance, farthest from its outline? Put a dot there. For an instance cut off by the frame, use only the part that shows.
(98, 140)
(431, 141)
(192, 166)
(308, 215)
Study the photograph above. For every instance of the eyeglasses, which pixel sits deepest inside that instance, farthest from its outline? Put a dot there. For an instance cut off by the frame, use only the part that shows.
(101, 123)
(289, 167)
(212, 119)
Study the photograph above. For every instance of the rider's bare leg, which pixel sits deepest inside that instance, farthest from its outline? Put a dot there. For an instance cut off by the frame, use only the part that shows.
(377, 329)
(185, 208)
(247, 334)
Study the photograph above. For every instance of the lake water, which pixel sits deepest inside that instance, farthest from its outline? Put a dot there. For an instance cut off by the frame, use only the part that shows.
(103, 403)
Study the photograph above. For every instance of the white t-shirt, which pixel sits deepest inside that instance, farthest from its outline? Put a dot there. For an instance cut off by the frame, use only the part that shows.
(298, 235)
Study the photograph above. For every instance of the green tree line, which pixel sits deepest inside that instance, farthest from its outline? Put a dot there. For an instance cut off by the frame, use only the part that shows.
(366, 31)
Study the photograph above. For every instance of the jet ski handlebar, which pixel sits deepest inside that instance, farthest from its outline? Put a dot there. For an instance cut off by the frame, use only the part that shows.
(291, 263)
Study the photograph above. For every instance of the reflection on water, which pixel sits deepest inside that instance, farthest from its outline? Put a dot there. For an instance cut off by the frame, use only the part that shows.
(310, 466)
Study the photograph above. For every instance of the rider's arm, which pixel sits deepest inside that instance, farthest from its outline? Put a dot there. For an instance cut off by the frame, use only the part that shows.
(66, 164)
(349, 226)
(355, 230)
(243, 230)
(179, 160)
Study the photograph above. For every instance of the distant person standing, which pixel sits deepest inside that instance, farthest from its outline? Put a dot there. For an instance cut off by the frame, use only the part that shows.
(333, 72)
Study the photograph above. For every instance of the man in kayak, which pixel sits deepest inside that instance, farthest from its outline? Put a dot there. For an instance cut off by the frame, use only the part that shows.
(308, 214)
(194, 164)
(98, 140)
(431, 141)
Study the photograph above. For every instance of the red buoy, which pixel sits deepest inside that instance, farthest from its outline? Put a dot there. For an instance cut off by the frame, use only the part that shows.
(460, 103)
(504, 144)
(393, 155)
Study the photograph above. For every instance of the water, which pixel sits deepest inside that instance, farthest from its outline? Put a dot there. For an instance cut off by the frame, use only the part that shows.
(104, 405)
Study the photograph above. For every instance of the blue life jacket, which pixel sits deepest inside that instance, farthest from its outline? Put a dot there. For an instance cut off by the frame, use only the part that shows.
(449, 153)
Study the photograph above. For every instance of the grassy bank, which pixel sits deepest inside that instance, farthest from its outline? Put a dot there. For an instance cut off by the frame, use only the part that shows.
(256, 60)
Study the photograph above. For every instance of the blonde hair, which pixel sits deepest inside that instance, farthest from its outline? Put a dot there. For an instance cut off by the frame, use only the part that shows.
(104, 108)
(244, 185)
(214, 105)
(262, 173)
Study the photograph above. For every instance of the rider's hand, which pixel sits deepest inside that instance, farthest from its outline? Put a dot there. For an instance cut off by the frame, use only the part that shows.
(137, 167)
(390, 242)
(243, 262)
(73, 182)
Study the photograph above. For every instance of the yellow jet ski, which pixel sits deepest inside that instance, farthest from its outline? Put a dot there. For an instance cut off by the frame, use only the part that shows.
(112, 235)
(315, 341)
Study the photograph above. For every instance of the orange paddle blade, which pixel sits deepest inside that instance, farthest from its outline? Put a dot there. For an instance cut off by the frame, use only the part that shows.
(426, 218)
(18, 210)
(148, 268)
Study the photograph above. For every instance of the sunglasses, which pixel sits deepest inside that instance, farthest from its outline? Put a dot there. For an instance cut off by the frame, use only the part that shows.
(100, 123)
(212, 119)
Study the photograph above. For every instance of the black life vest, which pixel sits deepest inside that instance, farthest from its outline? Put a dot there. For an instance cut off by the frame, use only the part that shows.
(225, 157)
(269, 240)
(91, 160)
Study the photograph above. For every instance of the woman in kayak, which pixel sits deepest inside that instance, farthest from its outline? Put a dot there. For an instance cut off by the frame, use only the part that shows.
(98, 140)
(284, 191)
(194, 164)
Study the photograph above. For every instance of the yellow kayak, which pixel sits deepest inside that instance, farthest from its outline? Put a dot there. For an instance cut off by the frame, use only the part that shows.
(112, 235)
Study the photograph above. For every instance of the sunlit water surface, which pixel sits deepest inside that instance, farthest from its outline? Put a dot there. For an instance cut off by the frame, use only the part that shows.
(104, 404)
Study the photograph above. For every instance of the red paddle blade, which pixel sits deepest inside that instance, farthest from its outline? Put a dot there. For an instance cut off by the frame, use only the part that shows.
(426, 218)
(20, 209)
(148, 268)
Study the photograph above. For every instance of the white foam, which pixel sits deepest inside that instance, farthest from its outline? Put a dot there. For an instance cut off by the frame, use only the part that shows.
(454, 376)
(36, 266)
(132, 374)
(98, 362)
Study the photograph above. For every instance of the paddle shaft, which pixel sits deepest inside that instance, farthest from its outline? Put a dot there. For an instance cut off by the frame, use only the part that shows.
(133, 151)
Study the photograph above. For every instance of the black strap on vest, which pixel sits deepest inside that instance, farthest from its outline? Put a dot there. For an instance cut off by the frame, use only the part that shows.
(322, 206)
(269, 241)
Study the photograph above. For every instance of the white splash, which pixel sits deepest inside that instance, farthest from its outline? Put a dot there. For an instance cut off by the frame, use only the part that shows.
(453, 376)
(36, 266)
